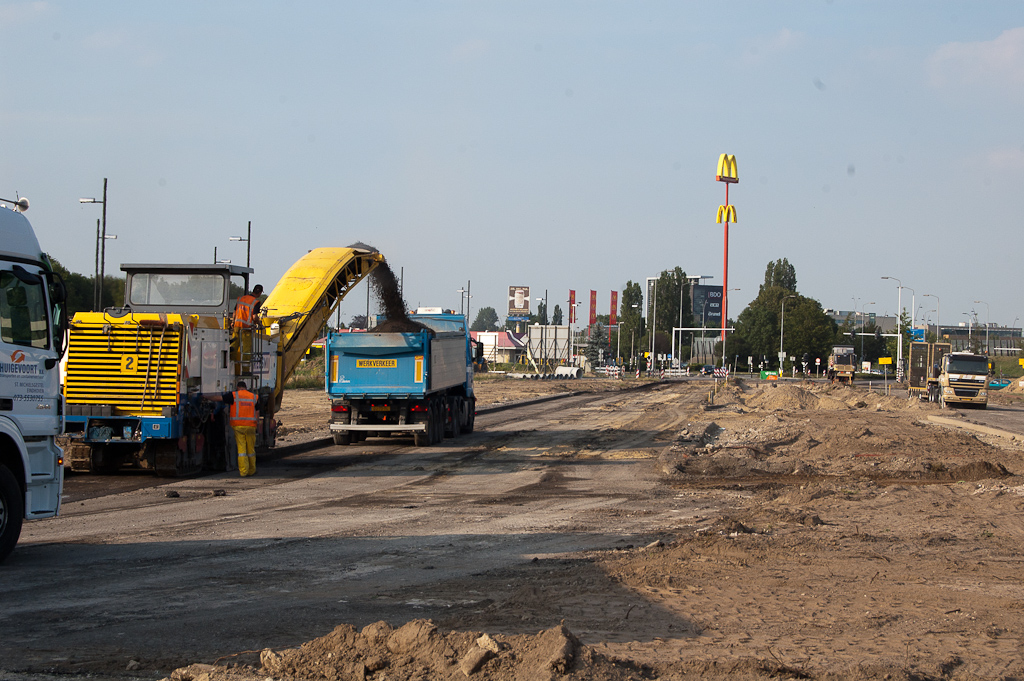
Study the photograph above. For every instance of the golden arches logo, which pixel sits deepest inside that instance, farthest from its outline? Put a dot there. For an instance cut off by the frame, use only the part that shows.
(727, 169)
(726, 213)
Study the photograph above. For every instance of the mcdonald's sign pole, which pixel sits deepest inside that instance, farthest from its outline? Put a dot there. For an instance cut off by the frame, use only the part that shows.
(727, 173)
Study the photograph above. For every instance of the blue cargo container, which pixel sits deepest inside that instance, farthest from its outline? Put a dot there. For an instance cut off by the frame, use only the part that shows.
(394, 383)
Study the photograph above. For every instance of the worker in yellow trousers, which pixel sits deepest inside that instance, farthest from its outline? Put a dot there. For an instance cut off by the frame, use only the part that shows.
(242, 414)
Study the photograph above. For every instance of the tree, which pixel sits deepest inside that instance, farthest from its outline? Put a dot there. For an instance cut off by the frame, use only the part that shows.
(673, 291)
(358, 322)
(542, 315)
(486, 320)
(556, 316)
(807, 328)
(596, 344)
(80, 289)
(780, 273)
(631, 323)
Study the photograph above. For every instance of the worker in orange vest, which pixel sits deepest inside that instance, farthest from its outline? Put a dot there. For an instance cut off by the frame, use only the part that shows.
(247, 307)
(243, 418)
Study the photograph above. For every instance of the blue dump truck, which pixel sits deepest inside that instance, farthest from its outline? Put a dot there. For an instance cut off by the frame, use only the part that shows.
(384, 382)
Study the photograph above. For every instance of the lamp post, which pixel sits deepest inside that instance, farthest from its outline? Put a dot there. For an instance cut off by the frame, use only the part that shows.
(913, 302)
(462, 298)
(101, 249)
(782, 328)
(987, 350)
(969, 320)
(543, 329)
(899, 331)
(247, 240)
(938, 314)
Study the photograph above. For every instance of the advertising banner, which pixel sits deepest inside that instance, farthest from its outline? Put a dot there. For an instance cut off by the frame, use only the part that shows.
(572, 306)
(707, 306)
(593, 307)
(613, 317)
(519, 303)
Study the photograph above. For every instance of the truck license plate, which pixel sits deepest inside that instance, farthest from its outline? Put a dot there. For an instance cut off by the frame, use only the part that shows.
(381, 407)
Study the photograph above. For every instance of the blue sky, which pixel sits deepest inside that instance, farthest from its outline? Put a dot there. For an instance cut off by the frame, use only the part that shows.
(551, 144)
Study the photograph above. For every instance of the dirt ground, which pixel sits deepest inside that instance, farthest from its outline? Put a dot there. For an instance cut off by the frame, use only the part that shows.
(305, 413)
(838, 534)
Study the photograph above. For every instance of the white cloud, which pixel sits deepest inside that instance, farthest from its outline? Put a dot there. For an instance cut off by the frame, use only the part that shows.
(118, 41)
(998, 62)
(1009, 158)
(21, 12)
(779, 42)
(470, 49)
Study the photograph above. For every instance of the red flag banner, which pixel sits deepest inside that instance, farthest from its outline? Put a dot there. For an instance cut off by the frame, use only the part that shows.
(593, 307)
(572, 306)
(613, 317)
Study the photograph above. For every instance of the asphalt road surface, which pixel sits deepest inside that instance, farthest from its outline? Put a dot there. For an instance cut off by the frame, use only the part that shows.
(168, 573)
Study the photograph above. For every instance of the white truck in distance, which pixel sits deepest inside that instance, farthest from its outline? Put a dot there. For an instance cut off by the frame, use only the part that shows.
(32, 325)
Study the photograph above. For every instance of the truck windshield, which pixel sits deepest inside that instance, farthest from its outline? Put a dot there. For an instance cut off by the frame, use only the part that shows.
(968, 365)
(177, 289)
(24, 318)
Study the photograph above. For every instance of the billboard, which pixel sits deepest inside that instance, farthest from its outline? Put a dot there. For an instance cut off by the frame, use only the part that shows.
(652, 285)
(519, 303)
(707, 306)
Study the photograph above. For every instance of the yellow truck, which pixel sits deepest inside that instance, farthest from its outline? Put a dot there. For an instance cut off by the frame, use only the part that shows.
(924, 366)
(963, 380)
(842, 364)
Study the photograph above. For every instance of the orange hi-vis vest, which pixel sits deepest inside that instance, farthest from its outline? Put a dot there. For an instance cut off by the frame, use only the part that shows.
(243, 311)
(243, 409)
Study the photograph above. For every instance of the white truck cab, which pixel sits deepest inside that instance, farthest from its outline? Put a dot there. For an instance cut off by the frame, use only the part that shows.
(32, 325)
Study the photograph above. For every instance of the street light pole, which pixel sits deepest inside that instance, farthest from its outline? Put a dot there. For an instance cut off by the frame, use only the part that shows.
(987, 350)
(101, 247)
(782, 328)
(248, 242)
(899, 331)
(938, 314)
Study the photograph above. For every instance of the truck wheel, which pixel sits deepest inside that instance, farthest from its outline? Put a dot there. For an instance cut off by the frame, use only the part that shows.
(470, 415)
(437, 432)
(343, 439)
(12, 512)
(456, 412)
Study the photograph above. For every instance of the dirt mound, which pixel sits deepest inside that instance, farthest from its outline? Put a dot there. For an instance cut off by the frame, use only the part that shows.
(776, 397)
(788, 397)
(419, 650)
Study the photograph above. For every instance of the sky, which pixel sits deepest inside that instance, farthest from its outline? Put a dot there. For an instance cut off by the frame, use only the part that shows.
(552, 144)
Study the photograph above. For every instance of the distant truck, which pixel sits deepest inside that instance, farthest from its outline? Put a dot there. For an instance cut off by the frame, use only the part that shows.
(419, 382)
(963, 380)
(32, 325)
(925, 364)
(842, 364)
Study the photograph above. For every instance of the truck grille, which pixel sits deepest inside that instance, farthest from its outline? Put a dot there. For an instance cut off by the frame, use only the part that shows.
(134, 367)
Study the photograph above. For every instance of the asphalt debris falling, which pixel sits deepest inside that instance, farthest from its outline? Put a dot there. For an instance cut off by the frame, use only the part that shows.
(388, 291)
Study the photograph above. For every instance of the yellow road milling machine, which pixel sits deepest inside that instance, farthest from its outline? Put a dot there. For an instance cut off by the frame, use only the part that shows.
(136, 374)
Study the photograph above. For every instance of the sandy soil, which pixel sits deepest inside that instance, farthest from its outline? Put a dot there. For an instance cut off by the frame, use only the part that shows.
(305, 413)
(822, 532)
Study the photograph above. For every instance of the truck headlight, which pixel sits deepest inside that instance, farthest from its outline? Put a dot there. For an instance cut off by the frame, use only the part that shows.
(982, 393)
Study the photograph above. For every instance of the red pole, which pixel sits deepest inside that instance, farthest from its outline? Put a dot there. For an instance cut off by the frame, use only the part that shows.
(725, 273)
